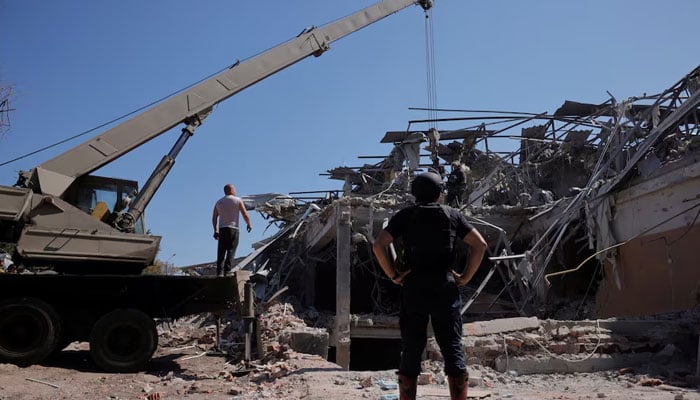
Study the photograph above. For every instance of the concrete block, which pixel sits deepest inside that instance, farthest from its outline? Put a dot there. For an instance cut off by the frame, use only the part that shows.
(598, 362)
(560, 333)
(475, 378)
(513, 343)
(485, 342)
(558, 347)
(631, 328)
(425, 378)
(482, 328)
(595, 338)
(308, 342)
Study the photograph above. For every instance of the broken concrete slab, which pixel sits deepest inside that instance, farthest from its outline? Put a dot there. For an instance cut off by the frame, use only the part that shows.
(308, 341)
(559, 365)
(503, 325)
(649, 329)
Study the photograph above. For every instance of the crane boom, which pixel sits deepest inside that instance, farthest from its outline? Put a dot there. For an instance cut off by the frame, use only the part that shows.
(193, 105)
(63, 217)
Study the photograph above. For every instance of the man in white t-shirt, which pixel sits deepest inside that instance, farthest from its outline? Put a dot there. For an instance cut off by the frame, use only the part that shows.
(226, 211)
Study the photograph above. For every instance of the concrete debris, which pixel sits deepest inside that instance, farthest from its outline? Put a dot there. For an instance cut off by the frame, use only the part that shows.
(387, 385)
(594, 215)
(583, 219)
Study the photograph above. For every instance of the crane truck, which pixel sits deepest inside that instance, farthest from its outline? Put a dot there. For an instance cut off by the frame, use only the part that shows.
(88, 232)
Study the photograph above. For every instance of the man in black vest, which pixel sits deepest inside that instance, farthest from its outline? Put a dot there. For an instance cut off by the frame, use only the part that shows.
(455, 185)
(430, 286)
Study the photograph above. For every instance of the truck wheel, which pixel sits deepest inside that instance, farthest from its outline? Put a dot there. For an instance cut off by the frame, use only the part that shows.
(123, 340)
(29, 330)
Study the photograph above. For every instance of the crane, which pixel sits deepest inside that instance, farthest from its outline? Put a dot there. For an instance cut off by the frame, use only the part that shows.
(61, 215)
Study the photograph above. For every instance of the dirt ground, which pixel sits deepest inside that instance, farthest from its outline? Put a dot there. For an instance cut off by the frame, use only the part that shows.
(184, 372)
(186, 367)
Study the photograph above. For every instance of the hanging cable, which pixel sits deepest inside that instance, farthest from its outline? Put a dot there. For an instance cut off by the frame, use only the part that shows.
(431, 80)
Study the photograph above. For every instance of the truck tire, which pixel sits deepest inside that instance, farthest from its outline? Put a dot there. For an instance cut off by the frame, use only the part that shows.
(123, 340)
(29, 330)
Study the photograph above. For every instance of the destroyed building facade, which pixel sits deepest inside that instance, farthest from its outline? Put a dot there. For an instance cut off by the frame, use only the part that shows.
(594, 214)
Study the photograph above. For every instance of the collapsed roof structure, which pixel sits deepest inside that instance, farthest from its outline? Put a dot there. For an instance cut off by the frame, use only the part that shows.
(594, 214)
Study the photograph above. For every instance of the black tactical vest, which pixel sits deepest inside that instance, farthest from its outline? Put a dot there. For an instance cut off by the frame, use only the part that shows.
(429, 240)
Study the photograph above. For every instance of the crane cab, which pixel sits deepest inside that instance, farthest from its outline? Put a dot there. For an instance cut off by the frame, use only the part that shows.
(104, 198)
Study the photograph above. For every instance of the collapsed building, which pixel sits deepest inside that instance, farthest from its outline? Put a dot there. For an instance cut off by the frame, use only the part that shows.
(594, 214)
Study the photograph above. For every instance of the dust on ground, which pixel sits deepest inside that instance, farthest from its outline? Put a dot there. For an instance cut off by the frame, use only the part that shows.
(186, 366)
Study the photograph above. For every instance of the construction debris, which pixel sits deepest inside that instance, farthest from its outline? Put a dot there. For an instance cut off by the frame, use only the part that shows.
(593, 215)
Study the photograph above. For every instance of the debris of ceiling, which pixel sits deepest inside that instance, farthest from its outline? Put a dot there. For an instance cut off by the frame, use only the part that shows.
(595, 213)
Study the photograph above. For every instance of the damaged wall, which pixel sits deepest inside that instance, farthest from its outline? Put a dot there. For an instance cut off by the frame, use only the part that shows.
(657, 270)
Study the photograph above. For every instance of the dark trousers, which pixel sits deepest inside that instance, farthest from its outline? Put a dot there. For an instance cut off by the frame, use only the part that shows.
(422, 299)
(454, 197)
(226, 249)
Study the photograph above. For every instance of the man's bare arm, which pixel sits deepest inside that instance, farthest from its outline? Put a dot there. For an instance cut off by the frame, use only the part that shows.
(214, 217)
(477, 250)
(381, 251)
(244, 213)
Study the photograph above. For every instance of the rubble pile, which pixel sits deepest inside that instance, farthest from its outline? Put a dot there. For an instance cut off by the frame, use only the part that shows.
(530, 345)
(282, 335)
(593, 215)
(561, 212)
(503, 355)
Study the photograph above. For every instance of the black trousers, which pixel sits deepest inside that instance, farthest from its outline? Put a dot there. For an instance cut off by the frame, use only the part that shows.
(439, 300)
(226, 249)
(454, 197)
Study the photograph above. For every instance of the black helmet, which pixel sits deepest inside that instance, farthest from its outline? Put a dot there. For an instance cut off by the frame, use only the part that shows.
(426, 187)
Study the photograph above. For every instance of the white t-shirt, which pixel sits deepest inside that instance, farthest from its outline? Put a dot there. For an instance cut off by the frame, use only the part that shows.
(228, 208)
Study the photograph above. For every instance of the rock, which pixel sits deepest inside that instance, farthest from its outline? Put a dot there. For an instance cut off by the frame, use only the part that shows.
(425, 378)
(577, 331)
(667, 351)
(439, 378)
(226, 376)
(207, 339)
(194, 388)
(475, 378)
(559, 347)
(647, 381)
(367, 382)
(601, 395)
(473, 361)
(627, 370)
(387, 385)
(514, 344)
(311, 341)
(560, 333)
(679, 396)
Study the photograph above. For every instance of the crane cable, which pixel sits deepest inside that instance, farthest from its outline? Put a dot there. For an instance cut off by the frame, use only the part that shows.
(430, 67)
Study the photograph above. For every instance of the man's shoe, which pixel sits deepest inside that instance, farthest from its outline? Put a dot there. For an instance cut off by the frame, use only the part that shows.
(407, 387)
(458, 386)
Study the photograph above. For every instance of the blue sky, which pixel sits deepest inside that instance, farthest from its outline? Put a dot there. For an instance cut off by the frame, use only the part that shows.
(77, 64)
